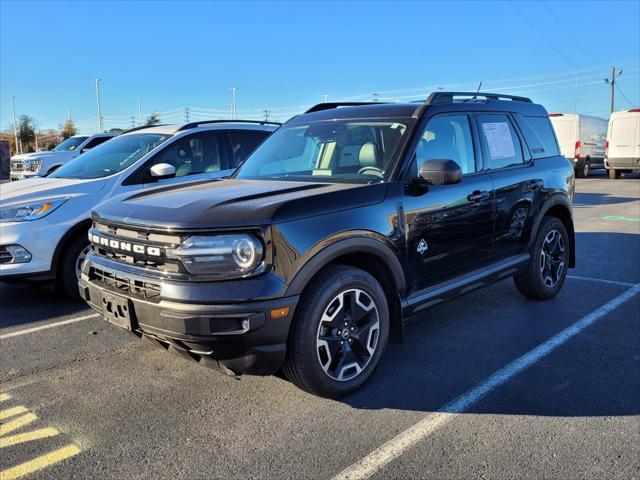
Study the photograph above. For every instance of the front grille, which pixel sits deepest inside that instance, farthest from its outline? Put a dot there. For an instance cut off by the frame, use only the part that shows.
(146, 290)
(17, 166)
(140, 238)
(5, 255)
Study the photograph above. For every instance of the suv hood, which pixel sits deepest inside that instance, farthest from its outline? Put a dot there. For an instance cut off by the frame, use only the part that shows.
(45, 188)
(235, 203)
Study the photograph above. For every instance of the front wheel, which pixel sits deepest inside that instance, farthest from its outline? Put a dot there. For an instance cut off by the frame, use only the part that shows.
(70, 265)
(547, 268)
(340, 330)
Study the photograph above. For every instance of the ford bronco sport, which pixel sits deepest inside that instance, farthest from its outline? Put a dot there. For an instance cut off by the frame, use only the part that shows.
(346, 222)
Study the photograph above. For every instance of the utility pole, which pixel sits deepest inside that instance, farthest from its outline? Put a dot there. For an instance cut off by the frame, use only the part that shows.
(36, 135)
(15, 123)
(266, 114)
(133, 121)
(97, 82)
(139, 112)
(374, 97)
(612, 82)
(186, 114)
(233, 103)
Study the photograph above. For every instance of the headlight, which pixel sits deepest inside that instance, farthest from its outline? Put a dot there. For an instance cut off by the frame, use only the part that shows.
(33, 165)
(20, 212)
(229, 255)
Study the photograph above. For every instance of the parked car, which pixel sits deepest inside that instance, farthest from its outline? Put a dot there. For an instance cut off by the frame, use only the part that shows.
(38, 164)
(341, 226)
(44, 221)
(623, 143)
(581, 139)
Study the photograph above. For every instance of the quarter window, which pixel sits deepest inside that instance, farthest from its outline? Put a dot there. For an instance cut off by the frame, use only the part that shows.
(501, 143)
(446, 137)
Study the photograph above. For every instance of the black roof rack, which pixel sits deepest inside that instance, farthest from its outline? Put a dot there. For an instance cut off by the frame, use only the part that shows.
(329, 105)
(447, 97)
(206, 122)
(143, 127)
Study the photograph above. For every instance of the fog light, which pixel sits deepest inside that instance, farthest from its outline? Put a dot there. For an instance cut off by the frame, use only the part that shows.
(19, 254)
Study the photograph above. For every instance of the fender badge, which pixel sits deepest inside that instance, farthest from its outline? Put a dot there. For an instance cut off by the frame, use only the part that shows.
(423, 246)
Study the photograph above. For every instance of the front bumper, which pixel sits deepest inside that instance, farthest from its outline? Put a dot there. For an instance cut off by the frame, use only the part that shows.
(40, 237)
(239, 337)
(21, 175)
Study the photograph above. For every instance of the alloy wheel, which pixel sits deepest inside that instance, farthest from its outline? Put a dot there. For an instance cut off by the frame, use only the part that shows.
(80, 260)
(348, 334)
(552, 258)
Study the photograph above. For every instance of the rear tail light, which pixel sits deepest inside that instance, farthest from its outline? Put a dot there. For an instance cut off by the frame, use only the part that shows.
(606, 149)
(576, 152)
(555, 115)
(635, 110)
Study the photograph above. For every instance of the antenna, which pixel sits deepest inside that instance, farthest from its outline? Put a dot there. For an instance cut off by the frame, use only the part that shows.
(478, 91)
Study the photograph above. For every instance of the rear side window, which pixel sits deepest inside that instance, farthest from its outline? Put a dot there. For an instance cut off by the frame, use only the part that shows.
(243, 142)
(500, 142)
(539, 135)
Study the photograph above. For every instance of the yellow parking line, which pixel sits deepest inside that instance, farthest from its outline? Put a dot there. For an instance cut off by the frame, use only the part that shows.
(28, 436)
(10, 412)
(17, 423)
(4, 396)
(39, 463)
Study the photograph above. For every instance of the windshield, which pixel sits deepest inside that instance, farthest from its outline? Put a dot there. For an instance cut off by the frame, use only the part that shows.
(110, 157)
(70, 144)
(352, 151)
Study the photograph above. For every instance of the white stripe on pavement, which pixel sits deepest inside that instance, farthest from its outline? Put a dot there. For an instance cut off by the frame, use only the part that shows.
(48, 325)
(398, 445)
(601, 280)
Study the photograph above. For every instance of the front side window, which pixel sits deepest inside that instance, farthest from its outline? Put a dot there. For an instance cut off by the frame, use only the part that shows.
(501, 143)
(351, 151)
(193, 154)
(446, 137)
(70, 144)
(110, 157)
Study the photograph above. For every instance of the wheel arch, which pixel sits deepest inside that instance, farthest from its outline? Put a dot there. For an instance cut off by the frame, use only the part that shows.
(80, 228)
(372, 256)
(558, 206)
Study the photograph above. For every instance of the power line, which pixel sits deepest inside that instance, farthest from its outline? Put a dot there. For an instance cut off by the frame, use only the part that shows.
(623, 95)
(572, 35)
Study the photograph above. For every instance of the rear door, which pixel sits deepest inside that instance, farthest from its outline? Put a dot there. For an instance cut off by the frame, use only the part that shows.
(449, 227)
(566, 128)
(624, 144)
(518, 182)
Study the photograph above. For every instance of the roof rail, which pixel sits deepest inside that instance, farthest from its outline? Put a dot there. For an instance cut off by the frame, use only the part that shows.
(329, 105)
(207, 122)
(143, 127)
(447, 97)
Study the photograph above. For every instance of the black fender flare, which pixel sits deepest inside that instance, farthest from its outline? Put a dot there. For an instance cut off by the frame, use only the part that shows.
(353, 244)
(556, 200)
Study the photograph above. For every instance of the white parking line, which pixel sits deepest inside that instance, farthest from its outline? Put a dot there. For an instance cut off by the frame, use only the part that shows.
(48, 325)
(398, 445)
(601, 280)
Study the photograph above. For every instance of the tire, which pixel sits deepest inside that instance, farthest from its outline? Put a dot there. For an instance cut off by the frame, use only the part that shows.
(584, 171)
(316, 360)
(614, 174)
(546, 270)
(66, 272)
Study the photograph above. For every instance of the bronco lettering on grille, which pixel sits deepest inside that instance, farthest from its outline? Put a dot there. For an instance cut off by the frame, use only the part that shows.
(126, 246)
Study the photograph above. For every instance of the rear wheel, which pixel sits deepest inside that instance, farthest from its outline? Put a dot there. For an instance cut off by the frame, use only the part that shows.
(584, 171)
(70, 266)
(614, 174)
(340, 331)
(547, 268)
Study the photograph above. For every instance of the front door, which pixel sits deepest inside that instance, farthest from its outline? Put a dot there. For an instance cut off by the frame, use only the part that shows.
(449, 227)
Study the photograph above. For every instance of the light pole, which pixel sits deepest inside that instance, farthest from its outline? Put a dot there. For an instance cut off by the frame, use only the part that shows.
(233, 103)
(326, 97)
(139, 112)
(15, 124)
(97, 82)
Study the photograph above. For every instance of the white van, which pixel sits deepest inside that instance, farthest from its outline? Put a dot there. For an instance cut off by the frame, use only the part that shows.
(581, 139)
(623, 143)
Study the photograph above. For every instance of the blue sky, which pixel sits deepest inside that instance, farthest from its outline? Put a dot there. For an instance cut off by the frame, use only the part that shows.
(283, 56)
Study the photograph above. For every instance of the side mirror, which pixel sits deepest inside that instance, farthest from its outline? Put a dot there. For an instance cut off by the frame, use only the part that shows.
(441, 172)
(162, 170)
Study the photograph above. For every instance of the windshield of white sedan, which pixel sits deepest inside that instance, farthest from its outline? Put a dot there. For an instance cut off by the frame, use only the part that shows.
(332, 151)
(110, 157)
(69, 144)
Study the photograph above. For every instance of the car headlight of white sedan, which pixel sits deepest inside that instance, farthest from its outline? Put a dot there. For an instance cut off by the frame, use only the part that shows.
(27, 211)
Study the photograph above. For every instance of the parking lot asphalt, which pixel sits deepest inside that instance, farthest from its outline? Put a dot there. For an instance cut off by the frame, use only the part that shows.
(104, 404)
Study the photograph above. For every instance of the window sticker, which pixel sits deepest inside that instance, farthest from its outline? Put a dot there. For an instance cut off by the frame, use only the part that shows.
(499, 140)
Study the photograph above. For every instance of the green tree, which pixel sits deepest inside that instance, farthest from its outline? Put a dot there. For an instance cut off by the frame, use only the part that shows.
(153, 119)
(26, 130)
(116, 130)
(68, 129)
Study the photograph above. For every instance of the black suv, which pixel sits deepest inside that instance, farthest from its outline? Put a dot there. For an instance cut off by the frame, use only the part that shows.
(346, 222)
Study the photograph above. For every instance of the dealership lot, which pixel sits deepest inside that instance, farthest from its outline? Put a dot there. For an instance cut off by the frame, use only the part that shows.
(80, 398)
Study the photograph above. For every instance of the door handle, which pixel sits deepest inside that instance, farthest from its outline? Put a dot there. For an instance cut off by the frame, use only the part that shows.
(477, 196)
